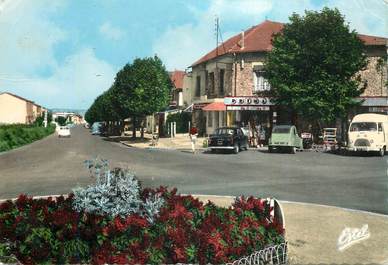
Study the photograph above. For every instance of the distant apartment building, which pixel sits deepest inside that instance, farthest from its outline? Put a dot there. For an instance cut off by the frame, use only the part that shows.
(70, 117)
(16, 109)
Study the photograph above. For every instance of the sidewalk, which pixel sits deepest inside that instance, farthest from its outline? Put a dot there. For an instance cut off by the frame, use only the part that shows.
(312, 232)
(180, 142)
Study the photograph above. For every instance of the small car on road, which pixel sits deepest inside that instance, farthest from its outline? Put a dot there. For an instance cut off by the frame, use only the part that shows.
(64, 131)
(228, 138)
(285, 138)
(96, 128)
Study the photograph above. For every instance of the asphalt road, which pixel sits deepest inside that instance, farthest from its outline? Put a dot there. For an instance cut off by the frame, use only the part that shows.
(55, 166)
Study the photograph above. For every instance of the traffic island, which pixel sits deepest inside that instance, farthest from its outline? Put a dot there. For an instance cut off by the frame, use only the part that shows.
(319, 234)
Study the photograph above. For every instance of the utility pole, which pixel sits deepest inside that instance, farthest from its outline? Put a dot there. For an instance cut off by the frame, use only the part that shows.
(217, 30)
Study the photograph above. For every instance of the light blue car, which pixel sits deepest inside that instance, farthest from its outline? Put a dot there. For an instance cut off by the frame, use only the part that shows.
(96, 128)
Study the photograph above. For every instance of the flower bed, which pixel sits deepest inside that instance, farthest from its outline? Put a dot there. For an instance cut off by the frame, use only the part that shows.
(186, 231)
(151, 226)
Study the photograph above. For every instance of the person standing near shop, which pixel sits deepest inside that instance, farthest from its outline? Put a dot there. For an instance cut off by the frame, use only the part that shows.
(193, 138)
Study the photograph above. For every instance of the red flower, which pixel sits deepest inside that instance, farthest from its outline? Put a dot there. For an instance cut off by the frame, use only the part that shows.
(6, 206)
(119, 259)
(119, 224)
(181, 212)
(136, 220)
(179, 255)
(18, 219)
(177, 236)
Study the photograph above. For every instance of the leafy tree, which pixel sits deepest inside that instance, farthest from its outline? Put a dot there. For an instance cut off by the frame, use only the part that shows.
(61, 120)
(92, 114)
(313, 66)
(39, 121)
(140, 89)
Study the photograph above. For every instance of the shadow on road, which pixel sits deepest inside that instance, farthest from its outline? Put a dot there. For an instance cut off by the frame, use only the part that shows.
(356, 154)
(118, 139)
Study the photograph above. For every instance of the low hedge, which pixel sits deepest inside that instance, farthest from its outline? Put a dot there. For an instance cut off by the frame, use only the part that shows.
(12, 136)
(185, 231)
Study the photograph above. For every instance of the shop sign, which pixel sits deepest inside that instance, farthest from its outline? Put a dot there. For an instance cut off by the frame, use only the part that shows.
(247, 101)
(266, 108)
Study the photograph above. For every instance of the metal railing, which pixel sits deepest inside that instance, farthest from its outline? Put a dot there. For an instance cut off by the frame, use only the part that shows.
(273, 255)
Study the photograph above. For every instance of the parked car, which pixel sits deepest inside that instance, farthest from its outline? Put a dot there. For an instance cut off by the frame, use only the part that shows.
(369, 132)
(64, 131)
(228, 138)
(285, 138)
(96, 128)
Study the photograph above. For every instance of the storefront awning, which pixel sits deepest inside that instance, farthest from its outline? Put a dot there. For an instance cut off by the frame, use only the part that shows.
(215, 106)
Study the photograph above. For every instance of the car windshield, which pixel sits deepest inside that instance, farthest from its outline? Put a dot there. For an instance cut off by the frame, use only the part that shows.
(224, 131)
(281, 130)
(363, 126)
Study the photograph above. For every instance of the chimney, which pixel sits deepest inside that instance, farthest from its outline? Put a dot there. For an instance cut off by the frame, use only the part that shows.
(242, 40)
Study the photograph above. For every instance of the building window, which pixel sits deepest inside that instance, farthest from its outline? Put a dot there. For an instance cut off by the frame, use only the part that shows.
(222, 78)
(210, 119)
(211, 83)
(198, 87)
(261, 84)
(216, 119)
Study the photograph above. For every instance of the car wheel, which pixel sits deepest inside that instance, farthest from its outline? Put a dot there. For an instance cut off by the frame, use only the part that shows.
(213, 151)
(382, 152)
(270, 149)
(236, 149)
(293, 150)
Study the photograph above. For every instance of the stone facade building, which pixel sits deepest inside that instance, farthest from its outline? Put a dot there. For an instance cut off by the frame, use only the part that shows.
(228, 87)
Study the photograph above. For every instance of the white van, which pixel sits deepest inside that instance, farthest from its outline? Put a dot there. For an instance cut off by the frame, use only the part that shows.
(368, 132)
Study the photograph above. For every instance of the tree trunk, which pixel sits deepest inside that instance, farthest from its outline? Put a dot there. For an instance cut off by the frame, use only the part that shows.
(134, 127)
(294, 118)
(121, 127)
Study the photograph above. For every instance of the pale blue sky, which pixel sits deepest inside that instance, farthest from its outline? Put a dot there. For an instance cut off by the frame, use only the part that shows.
(64, 53)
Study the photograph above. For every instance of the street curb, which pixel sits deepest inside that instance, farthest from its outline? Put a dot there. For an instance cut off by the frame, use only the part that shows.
(181, 149)
(232, 197)
(161, 148)
(300, 203)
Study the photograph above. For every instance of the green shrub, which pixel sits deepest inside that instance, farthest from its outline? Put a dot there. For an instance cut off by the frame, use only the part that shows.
(15, 135)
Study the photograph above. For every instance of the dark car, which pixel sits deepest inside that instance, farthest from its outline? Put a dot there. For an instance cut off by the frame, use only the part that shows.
(228, 138)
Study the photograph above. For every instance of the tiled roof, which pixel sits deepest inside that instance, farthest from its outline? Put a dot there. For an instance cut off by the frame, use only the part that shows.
(177, 78)
(372, 40)
(258, 39)
(16, 96)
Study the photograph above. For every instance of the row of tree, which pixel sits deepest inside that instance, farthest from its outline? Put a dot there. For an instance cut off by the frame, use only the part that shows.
(140, 88)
